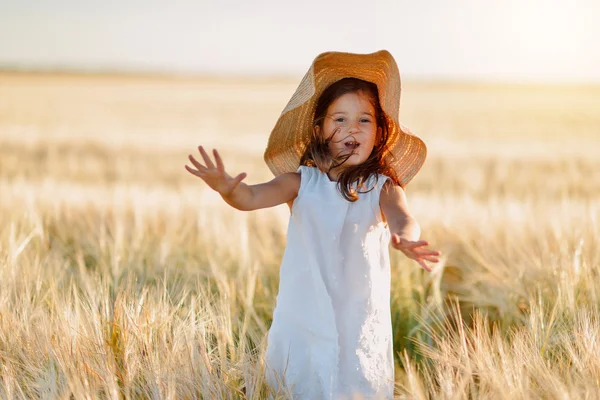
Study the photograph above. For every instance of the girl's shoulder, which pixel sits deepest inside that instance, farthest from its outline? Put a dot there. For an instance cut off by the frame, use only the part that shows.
(290, 179)
(379, 181)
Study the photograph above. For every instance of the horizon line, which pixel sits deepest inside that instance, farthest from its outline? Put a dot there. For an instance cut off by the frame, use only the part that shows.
(264, 76)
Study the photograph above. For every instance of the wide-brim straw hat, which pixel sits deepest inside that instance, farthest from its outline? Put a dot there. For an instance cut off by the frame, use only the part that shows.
(292, 132)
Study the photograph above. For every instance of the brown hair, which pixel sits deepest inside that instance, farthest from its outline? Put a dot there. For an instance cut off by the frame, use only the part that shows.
(317, 153)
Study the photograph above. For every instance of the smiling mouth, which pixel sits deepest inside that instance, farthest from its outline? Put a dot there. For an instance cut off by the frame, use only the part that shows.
(351, 144)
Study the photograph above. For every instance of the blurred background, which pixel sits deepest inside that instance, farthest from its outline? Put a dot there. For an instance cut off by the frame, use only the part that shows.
(123, 275)
(516, 78)
(534, 41)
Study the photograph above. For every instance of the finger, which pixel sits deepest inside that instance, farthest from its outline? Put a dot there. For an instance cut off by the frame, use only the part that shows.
(238, 179)
(419, 243)
(400, 241)
(398, 245)
(431, 259)
(199, 166)
(424, 252)
(194, 172)
(409, 245)
(207, 160)
(424, 265)
(220, 165)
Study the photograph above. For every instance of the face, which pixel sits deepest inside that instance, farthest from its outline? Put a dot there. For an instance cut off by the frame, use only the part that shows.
(351, 120)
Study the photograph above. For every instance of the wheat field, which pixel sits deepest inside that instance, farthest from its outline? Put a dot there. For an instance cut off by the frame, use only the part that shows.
(123, 276)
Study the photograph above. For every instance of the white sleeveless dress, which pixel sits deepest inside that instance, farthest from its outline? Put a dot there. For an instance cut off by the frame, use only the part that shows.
(331, 335)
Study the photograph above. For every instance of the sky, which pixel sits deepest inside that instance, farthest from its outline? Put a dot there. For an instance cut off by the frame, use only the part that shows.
(484, 40)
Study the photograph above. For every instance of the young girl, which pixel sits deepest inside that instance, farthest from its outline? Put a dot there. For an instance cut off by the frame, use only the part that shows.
(341, 161)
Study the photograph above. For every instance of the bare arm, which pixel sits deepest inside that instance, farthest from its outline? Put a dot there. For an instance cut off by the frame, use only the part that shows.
(282, 189)
(404, 227)
(394, 207)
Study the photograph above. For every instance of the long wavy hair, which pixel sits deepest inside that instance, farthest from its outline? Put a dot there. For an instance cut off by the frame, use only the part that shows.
(318, 155)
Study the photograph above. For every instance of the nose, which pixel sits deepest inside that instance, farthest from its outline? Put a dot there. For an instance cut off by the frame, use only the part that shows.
(353, 127)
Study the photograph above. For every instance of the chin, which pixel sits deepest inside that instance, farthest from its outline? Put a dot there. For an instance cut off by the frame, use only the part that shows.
(356, 159)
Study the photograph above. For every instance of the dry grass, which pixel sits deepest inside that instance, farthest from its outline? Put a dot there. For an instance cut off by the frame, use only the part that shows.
(121, 276)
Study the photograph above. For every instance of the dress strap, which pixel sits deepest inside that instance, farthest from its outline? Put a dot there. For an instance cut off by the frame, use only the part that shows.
(381, 181)
(306, 175)
(378, 182)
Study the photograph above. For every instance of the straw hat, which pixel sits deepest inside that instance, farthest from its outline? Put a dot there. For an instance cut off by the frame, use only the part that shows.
(292, 132)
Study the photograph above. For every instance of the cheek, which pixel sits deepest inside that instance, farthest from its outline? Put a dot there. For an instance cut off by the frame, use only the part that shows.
(372, 137)
(329, 129)
(326, 134)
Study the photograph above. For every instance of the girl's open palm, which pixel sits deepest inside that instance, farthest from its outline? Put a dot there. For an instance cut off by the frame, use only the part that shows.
(416, 251)
(214, 176)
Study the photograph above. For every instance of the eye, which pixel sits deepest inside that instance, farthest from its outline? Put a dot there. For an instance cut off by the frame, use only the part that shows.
(365, 120)
(340, 119)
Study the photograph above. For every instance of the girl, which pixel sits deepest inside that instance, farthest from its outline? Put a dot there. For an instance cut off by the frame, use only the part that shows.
(341, 160)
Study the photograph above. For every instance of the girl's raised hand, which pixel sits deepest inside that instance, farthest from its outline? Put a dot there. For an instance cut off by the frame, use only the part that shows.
(416, 251)
(214, 176)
